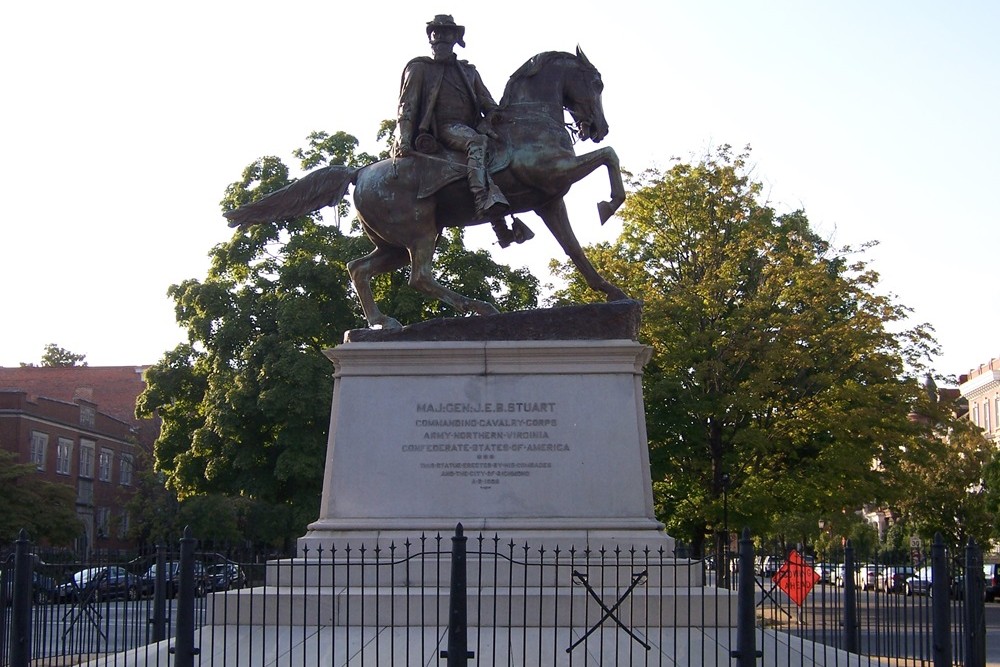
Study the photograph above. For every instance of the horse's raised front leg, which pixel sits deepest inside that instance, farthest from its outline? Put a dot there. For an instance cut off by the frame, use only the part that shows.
(577, 167)
(381, 260)
(557, 220)
(422, 279)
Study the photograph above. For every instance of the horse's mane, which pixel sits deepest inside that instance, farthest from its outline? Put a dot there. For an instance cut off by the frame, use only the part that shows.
(533, 65)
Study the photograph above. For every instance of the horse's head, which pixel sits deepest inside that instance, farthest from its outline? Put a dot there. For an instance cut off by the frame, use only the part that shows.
(582, 89)
(560, 81)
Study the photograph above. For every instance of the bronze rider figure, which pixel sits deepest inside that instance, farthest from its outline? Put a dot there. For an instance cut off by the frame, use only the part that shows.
(442, 100)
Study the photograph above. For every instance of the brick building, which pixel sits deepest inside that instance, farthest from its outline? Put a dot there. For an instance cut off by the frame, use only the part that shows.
(78, 426)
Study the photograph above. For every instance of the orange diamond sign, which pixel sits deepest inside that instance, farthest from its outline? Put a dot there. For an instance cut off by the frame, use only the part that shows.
(795, 578)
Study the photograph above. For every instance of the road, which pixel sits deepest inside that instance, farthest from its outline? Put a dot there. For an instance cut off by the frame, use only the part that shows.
(104, 627)
(890, 625)
(993, 634)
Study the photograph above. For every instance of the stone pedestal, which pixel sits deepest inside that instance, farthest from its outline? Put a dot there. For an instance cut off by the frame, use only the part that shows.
(538, 440)
(527, 428)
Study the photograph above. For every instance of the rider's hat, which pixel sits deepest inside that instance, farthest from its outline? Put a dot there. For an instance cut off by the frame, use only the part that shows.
(446, 21)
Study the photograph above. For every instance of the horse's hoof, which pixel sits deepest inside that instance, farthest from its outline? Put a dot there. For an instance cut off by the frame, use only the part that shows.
(617, 295)
(388, 324)
(483, 308)
(605, 209)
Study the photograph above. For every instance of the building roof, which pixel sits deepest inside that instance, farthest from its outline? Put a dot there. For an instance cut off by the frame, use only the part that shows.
(112, 389)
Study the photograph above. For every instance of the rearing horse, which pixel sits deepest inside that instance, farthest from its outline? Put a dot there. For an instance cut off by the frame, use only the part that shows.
(404, 223)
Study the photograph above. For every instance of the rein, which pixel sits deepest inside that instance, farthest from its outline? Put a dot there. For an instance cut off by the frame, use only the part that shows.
(546, 110)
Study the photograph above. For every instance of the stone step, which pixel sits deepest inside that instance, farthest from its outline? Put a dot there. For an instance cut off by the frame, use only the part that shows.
(488, 571)
(543, 606)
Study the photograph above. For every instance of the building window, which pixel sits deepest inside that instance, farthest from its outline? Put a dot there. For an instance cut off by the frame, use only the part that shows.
(987, 422)
(87, 414)
(103, 521)
(123, 525)
(85, 491)
(87, 449)
(104, 465)
(39, 445)
(125, 470)
(64, 452)
(996, 416)
(975, 415)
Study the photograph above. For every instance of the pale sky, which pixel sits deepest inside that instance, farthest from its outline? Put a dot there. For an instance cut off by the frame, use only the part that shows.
(123, 123)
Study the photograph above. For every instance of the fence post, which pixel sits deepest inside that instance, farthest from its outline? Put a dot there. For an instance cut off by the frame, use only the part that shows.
(183, 649)
(851, 628)
(941, 625)
(458, 652)
(975, 607)
(746, 652)
(159, 619)
(20, 630)
(6, 574)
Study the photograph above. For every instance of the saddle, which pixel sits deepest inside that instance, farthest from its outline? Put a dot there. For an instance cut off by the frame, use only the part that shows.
(438, 166)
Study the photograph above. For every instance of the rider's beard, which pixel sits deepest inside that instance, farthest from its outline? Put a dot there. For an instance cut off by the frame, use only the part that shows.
(442, 50)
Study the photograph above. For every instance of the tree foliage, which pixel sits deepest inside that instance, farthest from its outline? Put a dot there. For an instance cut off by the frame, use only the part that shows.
(991, 487)
(57, 357)
(245, 402)
(775, 361)
(941, 481)
(45, 509)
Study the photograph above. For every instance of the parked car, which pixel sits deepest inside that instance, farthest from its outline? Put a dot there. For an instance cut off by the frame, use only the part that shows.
(992, 573)
(893, 579)
(866, 576)
(172, 578)
(838, 575)
(771, 565)
(224, 576)
(43, 588)
(100, 583)
(920, 583)
(827, 572)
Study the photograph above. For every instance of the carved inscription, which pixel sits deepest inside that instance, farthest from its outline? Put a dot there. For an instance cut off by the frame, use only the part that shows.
(485, 444)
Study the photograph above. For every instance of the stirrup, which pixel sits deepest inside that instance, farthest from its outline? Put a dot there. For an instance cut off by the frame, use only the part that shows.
(520, 231)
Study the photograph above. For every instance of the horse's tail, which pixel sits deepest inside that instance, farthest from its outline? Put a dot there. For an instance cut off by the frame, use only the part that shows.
(317, 189)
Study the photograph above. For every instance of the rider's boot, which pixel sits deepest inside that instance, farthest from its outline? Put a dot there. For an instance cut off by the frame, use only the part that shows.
(505, 236)
(490, 202)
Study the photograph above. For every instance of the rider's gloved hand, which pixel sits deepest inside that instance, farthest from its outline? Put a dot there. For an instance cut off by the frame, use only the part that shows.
(486, 127)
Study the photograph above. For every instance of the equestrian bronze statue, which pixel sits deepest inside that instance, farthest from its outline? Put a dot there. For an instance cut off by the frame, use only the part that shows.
(405, 202)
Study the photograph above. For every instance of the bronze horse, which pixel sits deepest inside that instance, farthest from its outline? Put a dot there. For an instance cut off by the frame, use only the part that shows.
(403, 216)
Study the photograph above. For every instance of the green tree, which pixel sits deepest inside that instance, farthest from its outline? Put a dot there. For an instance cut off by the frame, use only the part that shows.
(942, 481)
(991, 488)
(774, 359)
(44, 509)
(55, 356)
(245, 403)
(153, 509)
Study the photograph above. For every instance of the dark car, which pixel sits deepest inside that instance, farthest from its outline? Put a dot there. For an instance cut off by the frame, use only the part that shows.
(225, 576)
(172, 579)
(43, 588)
(100, 583)
(893, 579)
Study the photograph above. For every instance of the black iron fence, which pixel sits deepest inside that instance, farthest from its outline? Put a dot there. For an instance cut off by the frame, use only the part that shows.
(483, 601)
